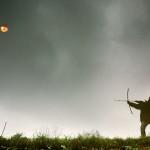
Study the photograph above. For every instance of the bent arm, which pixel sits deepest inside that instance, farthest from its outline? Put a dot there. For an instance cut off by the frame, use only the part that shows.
(136, 106)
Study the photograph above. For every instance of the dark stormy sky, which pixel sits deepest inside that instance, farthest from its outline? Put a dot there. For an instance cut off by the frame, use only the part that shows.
(63, 62)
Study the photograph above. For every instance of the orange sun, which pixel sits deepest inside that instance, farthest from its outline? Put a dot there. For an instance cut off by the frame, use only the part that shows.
(4, 28)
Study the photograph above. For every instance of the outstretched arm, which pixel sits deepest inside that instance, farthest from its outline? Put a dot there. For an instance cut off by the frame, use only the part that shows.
(139, 102)
(136, 106)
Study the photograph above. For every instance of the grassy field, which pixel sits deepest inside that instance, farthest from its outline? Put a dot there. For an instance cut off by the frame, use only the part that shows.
(86, 141)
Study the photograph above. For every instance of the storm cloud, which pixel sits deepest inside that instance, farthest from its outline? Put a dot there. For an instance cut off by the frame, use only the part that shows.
(64, 62)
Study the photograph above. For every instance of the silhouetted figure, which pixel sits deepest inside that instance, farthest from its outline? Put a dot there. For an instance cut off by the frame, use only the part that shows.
(144, 107)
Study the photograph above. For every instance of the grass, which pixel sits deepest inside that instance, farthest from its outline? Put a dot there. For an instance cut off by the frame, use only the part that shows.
(85, 141)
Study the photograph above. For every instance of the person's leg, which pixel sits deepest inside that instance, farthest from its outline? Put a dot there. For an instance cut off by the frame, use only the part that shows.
(143, 127)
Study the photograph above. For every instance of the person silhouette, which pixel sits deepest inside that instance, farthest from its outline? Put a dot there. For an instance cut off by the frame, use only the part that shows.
(144, 107)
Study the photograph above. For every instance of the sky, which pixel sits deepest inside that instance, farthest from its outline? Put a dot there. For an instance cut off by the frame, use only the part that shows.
(63, 63)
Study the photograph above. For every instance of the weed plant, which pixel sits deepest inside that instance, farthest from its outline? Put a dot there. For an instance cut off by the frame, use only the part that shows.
(85, 141)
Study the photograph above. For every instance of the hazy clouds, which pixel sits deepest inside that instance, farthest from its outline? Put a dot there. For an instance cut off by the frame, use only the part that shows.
(72, 58)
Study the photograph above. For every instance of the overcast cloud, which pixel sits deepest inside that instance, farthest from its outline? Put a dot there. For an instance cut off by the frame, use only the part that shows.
(63, 63)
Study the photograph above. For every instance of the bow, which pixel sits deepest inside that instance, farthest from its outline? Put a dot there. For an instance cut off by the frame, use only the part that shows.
(128, 100)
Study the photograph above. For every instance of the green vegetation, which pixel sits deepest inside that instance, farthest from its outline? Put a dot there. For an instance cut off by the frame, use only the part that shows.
(85, 141)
